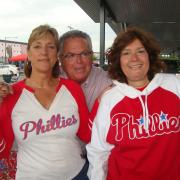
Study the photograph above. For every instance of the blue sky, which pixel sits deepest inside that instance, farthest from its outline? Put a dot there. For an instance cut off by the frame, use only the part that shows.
(19, 17)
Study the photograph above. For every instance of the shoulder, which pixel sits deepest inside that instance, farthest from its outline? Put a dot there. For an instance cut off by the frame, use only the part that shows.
(10, 100)
(169, 82)
(19, 85)
(98, 75)
(69, 83)
(98, 70)
(72, 86)
(16, 88)
(112, 95)
(164, 78)
(168, 76)
(106, 90)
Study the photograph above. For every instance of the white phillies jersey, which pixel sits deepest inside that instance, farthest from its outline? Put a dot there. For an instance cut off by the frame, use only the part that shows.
(48, 148)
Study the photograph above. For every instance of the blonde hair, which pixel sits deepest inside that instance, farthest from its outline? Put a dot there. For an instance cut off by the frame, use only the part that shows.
(37, 33)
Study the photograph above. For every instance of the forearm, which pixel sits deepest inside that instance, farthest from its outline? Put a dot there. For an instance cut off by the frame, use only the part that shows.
(98, 163)
(98, 151)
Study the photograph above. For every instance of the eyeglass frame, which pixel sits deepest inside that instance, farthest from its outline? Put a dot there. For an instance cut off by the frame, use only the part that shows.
(72, 56)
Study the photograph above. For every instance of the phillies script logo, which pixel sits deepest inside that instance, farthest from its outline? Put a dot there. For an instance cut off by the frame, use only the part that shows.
(159, 124)
(55, 122)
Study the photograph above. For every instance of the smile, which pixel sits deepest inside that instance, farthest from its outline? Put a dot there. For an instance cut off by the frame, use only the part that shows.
(137, 66)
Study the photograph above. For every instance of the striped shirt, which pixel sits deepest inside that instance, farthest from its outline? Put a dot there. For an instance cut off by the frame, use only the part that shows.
(96, 82)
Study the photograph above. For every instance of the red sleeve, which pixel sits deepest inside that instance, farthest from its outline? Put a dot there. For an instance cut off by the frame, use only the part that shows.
(6, 135)
(84, 132)
(6, 130)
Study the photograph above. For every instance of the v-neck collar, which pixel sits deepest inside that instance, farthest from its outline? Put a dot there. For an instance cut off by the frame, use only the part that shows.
(32, 91)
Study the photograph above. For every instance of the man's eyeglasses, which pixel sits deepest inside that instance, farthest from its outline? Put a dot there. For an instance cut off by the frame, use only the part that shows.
(72, 56)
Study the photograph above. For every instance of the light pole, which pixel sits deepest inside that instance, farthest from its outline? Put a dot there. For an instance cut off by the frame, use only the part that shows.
(70, 28)
(7, 37)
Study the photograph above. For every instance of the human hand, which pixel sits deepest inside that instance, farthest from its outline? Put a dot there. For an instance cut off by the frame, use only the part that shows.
(5, 89)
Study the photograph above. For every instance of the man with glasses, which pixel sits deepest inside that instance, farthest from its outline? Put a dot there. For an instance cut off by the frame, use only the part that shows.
(76, 57)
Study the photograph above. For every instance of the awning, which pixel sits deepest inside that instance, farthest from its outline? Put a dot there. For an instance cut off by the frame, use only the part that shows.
(20, 57)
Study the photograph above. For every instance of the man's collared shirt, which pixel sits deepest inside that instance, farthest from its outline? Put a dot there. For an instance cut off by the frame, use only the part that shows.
(96, 82)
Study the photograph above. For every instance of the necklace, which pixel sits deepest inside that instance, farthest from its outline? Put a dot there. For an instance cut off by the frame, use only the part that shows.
(35, 85)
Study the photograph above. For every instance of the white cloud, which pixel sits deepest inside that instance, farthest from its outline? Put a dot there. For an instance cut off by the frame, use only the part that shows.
(19, 17)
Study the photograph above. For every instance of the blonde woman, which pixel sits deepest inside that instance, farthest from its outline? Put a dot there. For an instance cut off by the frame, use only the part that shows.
(45, 115)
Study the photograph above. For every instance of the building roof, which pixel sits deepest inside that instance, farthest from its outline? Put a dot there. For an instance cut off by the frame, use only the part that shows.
(161, 17)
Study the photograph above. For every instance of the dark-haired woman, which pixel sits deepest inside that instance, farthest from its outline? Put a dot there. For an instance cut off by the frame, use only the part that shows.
(136, 131)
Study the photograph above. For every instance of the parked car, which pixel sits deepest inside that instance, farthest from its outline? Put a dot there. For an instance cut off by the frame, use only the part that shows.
(9, 72)
(9, 69)
(172, 66)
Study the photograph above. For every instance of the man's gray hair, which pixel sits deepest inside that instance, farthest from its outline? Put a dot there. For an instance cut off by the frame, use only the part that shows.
(74, 34)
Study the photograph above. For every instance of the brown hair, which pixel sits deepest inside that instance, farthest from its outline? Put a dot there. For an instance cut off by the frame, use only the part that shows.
(125, 38)
(38, 33)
